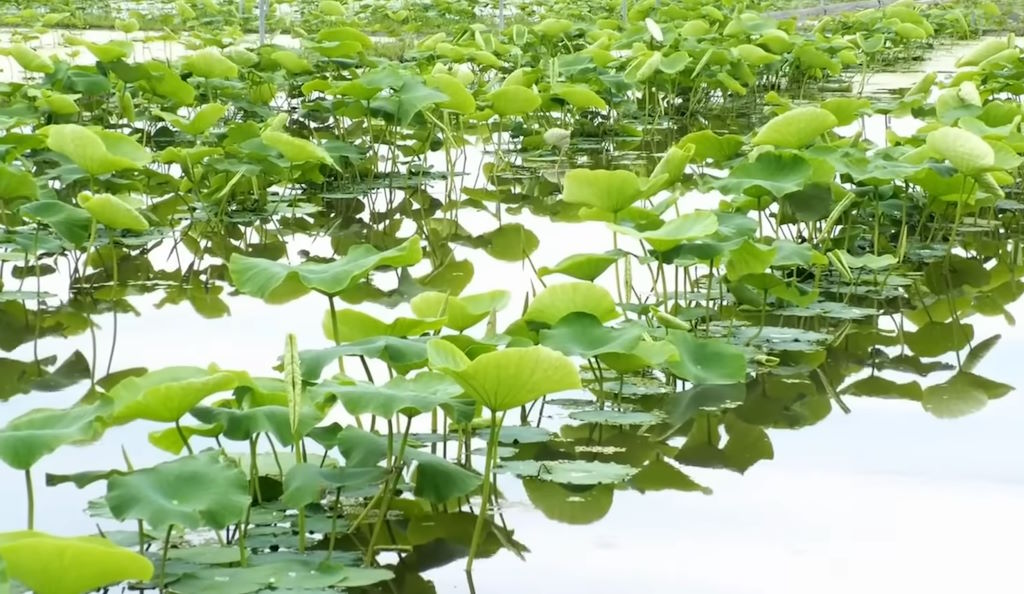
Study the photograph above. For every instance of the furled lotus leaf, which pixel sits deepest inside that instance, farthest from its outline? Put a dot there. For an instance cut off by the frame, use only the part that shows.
(753, 55)
(982, 52)
(69, 565)
(205, 118)
(505, 379)
(579, 96)
(796, 128)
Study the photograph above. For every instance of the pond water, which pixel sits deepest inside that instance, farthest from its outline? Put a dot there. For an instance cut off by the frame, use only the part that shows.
(882, 498)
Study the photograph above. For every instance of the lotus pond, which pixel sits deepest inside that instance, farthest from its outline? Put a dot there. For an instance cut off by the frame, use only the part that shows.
(407, 300)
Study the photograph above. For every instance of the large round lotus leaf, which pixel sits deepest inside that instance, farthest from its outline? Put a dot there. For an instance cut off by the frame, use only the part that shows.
(331, 8)
(567, 504)
(167, 394)
(553, 27)
(113, 211)
(558, 301)
(94, 150)
(296, 150)
(292, 62)
(29, 59)
(847, 109)
(55, 565)
(514, 100)
(581, 334)
(203, 490)
(276, 282)
(771, 173)
(583, 266)
(796, 128)
(26, 439)
(506, 379)
(686, 228)
(708, 146)
(305, 483)
(459, 98)
(460, 313)
(707, 361)
(511, 242)
(210, 63)
(965, 150)
(610, 191)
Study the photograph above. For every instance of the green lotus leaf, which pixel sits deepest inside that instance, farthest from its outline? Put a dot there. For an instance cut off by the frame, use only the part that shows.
(296, 150)
(292, 576)
(205, 118)
(847, 109)
(210, 63)
(707, 361)
(459, 98)
(169, 440)
(910, 31)
(981, 52)
(167, 494)
(29, 437)
(748, 258)
(276, 282)
(409, 396)
(241, 425)
(610, 191)
(111, 51)
(292, 62)
(683, 229)
(28, 58)
(514, 100)
(585, 267)
(414, 96)
(96, 151)
(579, 96)
(437, 480)
(165, 82)
(401, 353)
(355, 325)
(752, 55)
(505, 379)
(796, 128)
(558, 301)
(459, 313)
(616, 417)
(331, 8)
(581, 334)
(771, 173)
(167, 394)
(17, 183)
(966, 151)
(113, 211)
(69, 565)
(569, 472)
(306, 483)
(553, 27)
(708, 146)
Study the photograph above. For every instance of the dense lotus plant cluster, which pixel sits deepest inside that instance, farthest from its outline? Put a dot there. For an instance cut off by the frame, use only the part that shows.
(837, 248)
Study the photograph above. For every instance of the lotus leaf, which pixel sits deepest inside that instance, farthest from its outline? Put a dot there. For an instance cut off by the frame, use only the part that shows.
(707, 361)
(964, 150)
(459, 313)
(505, 379)
(69, 565)
(514, 100)
(557, 301)
(167, 494)
(96, 151)
(610, 191)
(210, 63)
(114, 212)
(796, 128)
